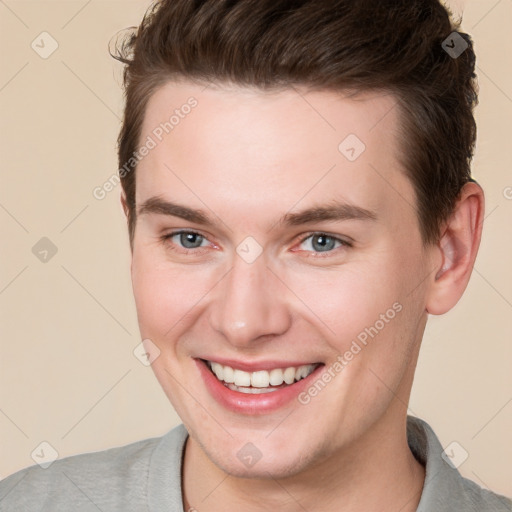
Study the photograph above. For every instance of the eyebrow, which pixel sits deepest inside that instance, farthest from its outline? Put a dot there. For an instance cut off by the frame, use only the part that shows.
(334, 211)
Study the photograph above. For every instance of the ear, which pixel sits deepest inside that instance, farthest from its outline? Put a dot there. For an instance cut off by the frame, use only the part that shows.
(457, 249)
(124, 204)
(126, 211)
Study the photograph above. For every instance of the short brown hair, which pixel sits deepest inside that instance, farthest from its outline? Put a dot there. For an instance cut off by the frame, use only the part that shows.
(360, 45)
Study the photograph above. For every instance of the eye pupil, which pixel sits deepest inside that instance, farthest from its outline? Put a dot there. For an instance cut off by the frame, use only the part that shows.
(190, 240)
(323, 243)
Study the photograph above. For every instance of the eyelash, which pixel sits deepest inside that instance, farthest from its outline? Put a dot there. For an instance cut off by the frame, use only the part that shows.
(183, 250)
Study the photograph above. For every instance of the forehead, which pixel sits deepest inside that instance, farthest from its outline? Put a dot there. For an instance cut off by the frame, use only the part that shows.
(262, 153)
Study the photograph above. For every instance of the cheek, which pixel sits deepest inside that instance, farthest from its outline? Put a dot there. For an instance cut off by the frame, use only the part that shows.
(157, 293)
(153, 293)
(345, 301)
(165, 296)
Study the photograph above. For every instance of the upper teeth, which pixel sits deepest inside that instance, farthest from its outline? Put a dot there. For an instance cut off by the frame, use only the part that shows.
(261, 378)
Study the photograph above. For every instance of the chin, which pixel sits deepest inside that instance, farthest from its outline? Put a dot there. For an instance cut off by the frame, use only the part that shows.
(280, 466)
(263, 458)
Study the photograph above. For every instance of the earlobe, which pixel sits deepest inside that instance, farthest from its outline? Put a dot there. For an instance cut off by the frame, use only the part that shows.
(458, 247)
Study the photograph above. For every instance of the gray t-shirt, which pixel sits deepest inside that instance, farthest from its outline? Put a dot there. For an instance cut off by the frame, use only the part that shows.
(146, 476)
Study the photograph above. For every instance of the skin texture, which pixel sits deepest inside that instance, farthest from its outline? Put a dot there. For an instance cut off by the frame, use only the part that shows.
(246, 158)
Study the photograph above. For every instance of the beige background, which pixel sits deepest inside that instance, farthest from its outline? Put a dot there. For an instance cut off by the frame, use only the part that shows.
(68, 326)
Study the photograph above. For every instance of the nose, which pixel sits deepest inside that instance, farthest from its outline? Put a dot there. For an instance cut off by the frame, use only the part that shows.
(250, 304)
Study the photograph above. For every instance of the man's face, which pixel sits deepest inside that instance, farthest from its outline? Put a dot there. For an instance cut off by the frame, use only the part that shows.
(261, 287)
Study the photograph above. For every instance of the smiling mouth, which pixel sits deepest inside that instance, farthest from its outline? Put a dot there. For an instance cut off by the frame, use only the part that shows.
(261, 381)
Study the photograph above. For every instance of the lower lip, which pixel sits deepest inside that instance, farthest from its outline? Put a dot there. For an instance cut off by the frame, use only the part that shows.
(246, 403)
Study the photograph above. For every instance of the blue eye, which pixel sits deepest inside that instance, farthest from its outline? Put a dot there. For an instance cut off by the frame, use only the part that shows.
(321, 242)
(186, 239)
(190, 240)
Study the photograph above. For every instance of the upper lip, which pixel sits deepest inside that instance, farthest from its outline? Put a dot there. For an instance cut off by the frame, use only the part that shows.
(253, 366)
